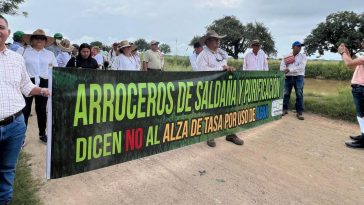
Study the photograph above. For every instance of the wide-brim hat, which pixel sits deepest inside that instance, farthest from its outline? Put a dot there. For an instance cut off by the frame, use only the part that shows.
(211, 34)
(255, 41)
(133, 47)
(124, 44)
(38, 32)
(65, 45)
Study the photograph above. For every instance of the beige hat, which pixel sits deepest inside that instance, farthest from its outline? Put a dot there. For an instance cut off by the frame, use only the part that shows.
(124, 44)
(211, 34)
(153, 42)
(65, 45)
(38, 32)
(255, 41)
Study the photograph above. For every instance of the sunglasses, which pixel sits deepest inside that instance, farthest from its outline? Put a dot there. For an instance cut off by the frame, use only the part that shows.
(39, 37)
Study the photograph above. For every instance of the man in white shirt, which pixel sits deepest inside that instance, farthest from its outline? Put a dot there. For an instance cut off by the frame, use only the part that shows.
(212, 58)
(197, 50)
(14, 81)
(293, 66)
(95, 52)
(255, 59)
(153, 59)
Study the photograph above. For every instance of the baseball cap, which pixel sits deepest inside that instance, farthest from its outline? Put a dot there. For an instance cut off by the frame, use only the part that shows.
(18, 34)
(58, 35)
(153, 42)
(297, 43)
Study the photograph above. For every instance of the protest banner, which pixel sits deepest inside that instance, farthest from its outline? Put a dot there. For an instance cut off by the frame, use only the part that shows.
(102, 118)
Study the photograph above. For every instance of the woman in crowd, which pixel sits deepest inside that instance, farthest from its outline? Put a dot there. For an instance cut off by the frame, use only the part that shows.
(125, 61)
(65, 55)
(83, 59)
(38, 60)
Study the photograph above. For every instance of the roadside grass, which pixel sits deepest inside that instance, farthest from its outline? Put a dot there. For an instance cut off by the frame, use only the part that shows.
(25, 187)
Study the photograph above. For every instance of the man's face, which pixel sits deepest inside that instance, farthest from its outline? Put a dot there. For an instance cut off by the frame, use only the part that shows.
(213, 43)
(256, 47)
(4, 32)
(198, 50)
(154, 47)
(297, 49)
(94, 51)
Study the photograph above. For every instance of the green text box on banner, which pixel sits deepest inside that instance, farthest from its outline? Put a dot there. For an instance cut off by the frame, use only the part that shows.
(102, 118)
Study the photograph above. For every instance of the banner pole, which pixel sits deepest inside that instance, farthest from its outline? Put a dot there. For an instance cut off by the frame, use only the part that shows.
(49, 125)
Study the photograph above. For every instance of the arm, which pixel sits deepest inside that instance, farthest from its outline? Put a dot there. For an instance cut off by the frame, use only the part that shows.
(145, 66)
(300, 67)
(193, 62)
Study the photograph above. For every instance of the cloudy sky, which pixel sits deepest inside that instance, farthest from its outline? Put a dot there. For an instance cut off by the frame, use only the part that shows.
(174, 22)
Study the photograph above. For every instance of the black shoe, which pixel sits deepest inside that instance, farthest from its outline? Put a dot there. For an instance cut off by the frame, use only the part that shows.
(300, 116)
(354, 144)
(285, 112)
(356, 138)
(43, 138)
(211, 143)
(234, 139)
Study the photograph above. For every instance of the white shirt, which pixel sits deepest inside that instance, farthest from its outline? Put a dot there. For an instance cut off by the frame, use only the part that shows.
(193, 59)
(111, 56)
(123, 62)
(63, 58)
(255, 62)
(209, 60)
(38, 62)
(296, 68)
(99, 59)
(14, 81)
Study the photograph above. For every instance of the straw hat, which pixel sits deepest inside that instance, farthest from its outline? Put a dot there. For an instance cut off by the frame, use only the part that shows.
(211, 34)
(256, 41)
(65, 45)
(38, 32)
(124, 44)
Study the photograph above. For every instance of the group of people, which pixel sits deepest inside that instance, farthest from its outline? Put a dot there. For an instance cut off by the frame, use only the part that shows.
(24, 75)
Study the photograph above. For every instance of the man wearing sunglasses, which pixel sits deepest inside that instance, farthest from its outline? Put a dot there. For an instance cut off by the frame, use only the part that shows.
(293, 66)
(213, 58)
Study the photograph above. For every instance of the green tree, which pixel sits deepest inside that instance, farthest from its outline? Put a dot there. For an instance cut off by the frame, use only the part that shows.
(238, 36)
(142, 44)
(340, 27)
(11, 7)
(194, 40)
(96, 43)
(165, 48)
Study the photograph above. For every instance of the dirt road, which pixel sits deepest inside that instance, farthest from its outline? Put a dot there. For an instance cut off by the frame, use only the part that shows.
(284, 162)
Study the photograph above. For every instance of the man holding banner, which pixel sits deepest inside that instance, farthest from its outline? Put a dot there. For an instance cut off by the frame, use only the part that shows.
(293, 66)
(212, 58)
(14, 81)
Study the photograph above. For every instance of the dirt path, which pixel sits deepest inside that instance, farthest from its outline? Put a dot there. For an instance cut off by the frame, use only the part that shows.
(284, 162)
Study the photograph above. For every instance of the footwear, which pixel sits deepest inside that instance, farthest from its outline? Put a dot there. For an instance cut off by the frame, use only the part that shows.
(234, 139)
(211, 143)
(354, 144)
(285, 112)
(300, 116)
(43, 138)
(356, 138)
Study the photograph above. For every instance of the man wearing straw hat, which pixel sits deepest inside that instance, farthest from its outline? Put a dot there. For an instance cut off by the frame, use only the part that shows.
(212, 58)
(153, 60)
(14, 81)
(256, 59)
(65, 55)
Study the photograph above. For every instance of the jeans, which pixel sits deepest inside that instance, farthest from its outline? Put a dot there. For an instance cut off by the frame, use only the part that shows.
(358, 96)
(297, 82)
(40, 108)
(11, 140)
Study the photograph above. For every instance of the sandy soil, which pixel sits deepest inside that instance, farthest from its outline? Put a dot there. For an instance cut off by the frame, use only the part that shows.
(284, 162)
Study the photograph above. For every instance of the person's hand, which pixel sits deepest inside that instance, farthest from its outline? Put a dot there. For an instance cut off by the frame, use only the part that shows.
(44, 92)
(342, 49)
(286, 70)
(229, 68)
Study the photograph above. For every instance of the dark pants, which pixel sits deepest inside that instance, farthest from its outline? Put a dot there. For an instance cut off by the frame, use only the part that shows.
(296, 82)
(40, 108)
(11, 140)
(358, 96)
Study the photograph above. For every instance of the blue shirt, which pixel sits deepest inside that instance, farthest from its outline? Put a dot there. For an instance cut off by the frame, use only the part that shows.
(15, 46)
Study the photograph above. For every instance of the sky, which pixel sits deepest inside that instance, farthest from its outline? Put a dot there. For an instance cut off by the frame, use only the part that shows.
(174, 22)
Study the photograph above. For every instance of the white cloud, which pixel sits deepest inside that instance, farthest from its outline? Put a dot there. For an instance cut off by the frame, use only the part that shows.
(217, 3)
(84, 39)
